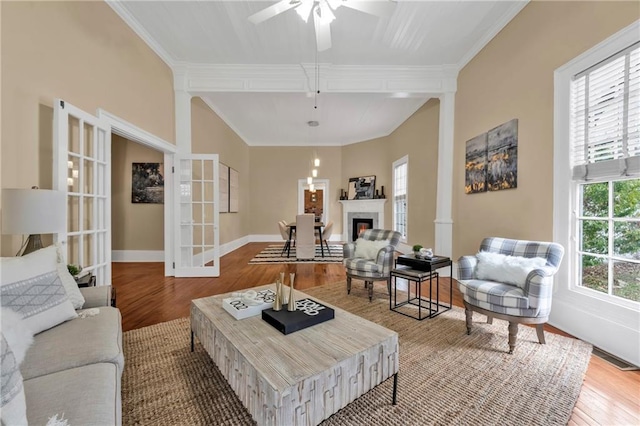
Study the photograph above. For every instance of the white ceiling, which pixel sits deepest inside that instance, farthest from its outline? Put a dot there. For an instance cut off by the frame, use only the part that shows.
(261, 79)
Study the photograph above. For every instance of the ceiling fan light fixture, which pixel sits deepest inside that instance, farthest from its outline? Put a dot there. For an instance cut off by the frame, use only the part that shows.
(304, 9)
(335, 4)
(324, 13)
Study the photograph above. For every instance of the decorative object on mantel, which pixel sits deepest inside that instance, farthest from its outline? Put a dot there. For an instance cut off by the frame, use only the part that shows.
(380, 195)
(491, 160)
(362, 188)
(343, 195)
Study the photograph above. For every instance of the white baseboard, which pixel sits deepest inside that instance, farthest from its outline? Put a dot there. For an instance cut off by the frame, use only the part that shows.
(265, 238)
(227, 248)
(137, 255)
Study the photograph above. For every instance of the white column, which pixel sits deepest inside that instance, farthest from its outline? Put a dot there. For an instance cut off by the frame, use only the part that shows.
(183, 111)
(444, 221)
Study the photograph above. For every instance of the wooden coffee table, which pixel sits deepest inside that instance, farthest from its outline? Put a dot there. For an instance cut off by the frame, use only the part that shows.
(301, 378)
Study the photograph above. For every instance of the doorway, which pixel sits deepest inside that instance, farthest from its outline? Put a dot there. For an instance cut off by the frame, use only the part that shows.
(319, 207)
(137, 220)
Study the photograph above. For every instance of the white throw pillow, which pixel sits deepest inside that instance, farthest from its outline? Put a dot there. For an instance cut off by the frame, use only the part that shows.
(367, 249)
(506, 269)
(17, 332)
(15, 339)
(69, 283)
(31, 286)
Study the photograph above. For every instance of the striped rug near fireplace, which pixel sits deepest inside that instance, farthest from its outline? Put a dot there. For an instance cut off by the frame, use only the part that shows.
(273, 254)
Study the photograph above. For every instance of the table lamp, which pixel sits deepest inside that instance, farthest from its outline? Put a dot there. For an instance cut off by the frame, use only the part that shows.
(34, 212)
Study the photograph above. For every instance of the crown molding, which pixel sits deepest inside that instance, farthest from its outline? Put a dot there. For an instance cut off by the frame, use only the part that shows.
(133, 23)
(499, 24)
(201, 78)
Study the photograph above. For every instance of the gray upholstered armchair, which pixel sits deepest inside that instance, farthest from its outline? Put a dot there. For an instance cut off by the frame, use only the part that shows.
(375, 267)
(525, 303)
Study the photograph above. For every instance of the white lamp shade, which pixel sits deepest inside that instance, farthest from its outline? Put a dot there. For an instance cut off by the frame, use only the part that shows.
(33, 211)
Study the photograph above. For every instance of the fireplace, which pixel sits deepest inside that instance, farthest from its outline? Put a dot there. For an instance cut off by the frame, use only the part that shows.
(359, 213)
(359, 225)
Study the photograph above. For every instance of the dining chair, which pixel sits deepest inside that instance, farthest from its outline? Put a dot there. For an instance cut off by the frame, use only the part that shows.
(305, 236)
(326, 234)
(284, 232)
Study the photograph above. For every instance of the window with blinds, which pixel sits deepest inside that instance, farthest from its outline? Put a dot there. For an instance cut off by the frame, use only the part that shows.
(605, 116)
(400, 196)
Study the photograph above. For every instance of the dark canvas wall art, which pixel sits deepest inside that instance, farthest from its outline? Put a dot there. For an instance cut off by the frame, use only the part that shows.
(147, 183)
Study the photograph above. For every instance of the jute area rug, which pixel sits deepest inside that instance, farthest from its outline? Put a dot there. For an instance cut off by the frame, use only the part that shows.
(446, 377)
(273, 254)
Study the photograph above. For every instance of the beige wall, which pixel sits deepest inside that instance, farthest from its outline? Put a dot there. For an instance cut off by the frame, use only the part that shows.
(211, 135)
(133, 226)
(81, 52)
(512, 77)
(274, 184)
(418, 138)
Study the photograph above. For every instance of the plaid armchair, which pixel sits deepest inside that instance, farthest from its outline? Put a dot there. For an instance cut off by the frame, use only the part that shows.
(528, 305)
(370, 270)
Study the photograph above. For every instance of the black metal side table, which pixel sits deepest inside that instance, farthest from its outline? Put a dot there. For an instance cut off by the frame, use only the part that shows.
(418, 271)
(88, 280)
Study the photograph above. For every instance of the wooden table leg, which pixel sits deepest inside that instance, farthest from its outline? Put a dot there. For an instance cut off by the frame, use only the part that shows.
(395, 389)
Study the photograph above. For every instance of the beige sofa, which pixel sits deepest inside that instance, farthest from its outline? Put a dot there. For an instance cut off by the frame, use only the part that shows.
(73, 370)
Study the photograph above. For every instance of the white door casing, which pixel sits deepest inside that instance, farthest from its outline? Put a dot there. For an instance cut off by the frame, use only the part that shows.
(82, 169)
(197, 213)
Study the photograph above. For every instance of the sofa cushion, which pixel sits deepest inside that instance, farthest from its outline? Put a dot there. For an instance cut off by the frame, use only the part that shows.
(31, 286)
(88, 395)
(75, 343)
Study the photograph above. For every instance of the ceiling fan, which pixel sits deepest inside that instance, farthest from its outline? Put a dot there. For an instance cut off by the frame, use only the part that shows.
(322, 11)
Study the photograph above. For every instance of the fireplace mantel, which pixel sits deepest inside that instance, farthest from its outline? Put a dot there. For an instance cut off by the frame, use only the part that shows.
(374, 206)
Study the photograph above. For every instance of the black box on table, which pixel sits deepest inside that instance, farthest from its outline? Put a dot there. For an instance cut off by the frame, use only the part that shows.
(308, 312)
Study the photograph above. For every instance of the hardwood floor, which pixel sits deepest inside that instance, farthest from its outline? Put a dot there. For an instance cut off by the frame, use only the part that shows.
(145, 297)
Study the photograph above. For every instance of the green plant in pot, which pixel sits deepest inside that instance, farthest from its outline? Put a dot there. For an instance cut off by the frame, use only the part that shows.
(74, 270)
(416, 250)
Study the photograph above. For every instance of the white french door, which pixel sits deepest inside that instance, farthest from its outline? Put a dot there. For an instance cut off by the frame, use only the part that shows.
(82, 169)
(197, 239)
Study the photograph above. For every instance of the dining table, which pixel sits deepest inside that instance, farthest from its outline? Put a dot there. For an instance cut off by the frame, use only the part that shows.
(292, 227)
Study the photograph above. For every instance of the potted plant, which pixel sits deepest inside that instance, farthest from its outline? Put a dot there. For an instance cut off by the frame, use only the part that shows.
(416, 250)
(74, 270)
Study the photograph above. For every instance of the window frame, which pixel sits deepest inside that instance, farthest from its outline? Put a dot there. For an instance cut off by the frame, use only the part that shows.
(566, 189)
(401, 161)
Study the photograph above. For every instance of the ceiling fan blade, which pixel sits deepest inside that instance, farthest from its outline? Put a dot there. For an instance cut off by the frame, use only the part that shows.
(273, 10)
(323, 33)
(382, 9)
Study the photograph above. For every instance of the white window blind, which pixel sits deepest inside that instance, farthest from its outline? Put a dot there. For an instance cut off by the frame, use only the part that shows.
(400, 196)
(605, 115)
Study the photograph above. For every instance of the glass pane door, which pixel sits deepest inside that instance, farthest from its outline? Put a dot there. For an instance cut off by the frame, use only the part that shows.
(197, 228)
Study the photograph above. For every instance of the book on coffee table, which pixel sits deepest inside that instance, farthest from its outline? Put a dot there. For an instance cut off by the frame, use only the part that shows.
(241, 310)
(308, 313)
